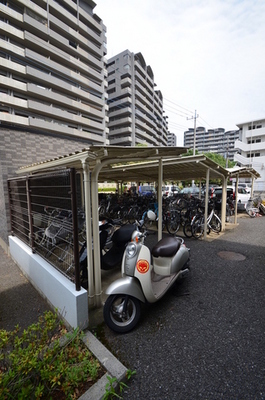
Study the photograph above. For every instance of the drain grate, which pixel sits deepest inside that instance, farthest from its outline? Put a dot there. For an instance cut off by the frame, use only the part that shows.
(231, 256)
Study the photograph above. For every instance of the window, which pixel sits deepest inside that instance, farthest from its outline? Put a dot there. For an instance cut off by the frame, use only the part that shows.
(111, 91)
(73, 44)
(112, 63)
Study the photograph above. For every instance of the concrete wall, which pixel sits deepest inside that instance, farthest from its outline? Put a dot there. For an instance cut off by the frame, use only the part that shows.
(72, 305)
(19, 148)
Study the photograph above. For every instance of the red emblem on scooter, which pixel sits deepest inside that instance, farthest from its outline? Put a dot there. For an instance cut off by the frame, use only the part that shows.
(142, 266)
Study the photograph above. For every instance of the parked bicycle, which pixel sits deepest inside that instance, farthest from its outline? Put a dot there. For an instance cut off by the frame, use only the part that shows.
(214, 223)
(255, 207)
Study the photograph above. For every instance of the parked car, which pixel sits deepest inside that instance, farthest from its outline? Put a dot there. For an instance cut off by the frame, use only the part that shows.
(211, 193)
(242, 196)
(170, 190)
(146, 190)
(190, 190)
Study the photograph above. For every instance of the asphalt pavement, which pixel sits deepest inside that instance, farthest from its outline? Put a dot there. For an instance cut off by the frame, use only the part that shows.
(205, 338)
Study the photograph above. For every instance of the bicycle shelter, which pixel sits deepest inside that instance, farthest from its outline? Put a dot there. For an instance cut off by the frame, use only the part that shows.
(122, 164)
(242, 172)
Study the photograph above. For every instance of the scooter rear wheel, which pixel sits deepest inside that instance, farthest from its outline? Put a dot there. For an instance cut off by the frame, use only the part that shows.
(121, 312)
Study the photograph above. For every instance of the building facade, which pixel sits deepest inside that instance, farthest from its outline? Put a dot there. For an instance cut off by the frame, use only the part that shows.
(171, 139)
(52, 85)
(135, 107)
(250, 149)
(53, 76)
(212, 141)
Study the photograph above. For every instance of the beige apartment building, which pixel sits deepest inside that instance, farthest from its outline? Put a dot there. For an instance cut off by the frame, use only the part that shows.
(52, 75)
(136, 114)
(52, 85)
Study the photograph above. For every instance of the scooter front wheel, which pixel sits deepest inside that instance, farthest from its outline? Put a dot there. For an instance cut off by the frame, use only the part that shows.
(121, 312)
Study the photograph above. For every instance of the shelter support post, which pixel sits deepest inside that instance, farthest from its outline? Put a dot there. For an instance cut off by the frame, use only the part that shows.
(159, 199)
(206, 202)
(252, 187)
(224, 201)
(87, 192)
(236, 191)
(75, 228)
(95, 229)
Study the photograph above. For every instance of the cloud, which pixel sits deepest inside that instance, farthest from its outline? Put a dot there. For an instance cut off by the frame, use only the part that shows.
(205, 55)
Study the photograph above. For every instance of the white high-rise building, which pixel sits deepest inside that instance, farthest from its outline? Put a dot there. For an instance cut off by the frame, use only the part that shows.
(212, 141)
(250, 149)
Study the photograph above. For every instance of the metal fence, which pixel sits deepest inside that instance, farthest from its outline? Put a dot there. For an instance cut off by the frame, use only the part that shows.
(47, 213)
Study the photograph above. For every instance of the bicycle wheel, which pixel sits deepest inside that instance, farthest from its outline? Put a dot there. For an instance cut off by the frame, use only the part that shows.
(251, 212)
(187, 229)
(197, 227)
(172, 223)
(215, 224)
(133, 215)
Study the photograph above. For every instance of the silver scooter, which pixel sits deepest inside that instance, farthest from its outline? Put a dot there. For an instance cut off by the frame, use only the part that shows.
(146, 277)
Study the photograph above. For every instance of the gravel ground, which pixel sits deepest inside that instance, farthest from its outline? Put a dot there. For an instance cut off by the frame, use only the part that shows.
(205, 338)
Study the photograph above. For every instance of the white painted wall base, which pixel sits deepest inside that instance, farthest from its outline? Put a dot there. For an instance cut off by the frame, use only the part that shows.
(59, 291)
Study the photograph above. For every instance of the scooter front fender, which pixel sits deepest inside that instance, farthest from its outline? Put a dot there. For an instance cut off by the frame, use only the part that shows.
(127, 285)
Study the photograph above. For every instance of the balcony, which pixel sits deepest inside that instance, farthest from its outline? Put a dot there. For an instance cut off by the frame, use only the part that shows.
(120, 132)
(126, 82)
(249, 147)
(122, 121)
(121, 112)
(253, 133)
(123, 141)
(244, 161)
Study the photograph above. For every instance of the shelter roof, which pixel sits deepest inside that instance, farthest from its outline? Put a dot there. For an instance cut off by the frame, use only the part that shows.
(243, 172)
(134, 163)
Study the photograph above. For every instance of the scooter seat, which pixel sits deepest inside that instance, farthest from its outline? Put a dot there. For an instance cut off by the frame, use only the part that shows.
(166, 247)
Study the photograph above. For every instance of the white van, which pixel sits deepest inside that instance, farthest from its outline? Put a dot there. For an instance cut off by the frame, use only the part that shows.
(245, 186)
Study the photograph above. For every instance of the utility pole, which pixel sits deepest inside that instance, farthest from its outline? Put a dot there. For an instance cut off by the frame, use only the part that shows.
(194, 137)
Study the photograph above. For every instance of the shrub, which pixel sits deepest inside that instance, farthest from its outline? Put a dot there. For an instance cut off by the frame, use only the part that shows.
(44, 361)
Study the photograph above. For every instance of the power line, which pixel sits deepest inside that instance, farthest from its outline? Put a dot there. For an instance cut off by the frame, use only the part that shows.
(189, 111)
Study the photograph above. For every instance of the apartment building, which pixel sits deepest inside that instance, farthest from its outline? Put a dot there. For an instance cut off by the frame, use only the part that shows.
(171, 139)
(52, 75)
(52, 85)
(212, 141)
(250, 149)
(135, 107)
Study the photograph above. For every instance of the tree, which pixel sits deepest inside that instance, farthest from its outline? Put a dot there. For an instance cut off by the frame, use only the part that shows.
(219, 159)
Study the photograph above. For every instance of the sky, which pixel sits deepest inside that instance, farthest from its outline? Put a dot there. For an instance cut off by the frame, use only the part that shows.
(207, 56)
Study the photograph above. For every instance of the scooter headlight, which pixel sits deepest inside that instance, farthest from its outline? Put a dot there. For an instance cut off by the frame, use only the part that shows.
(131, 250)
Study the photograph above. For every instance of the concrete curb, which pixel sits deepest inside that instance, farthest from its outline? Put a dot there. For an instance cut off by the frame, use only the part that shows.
(115, 369)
